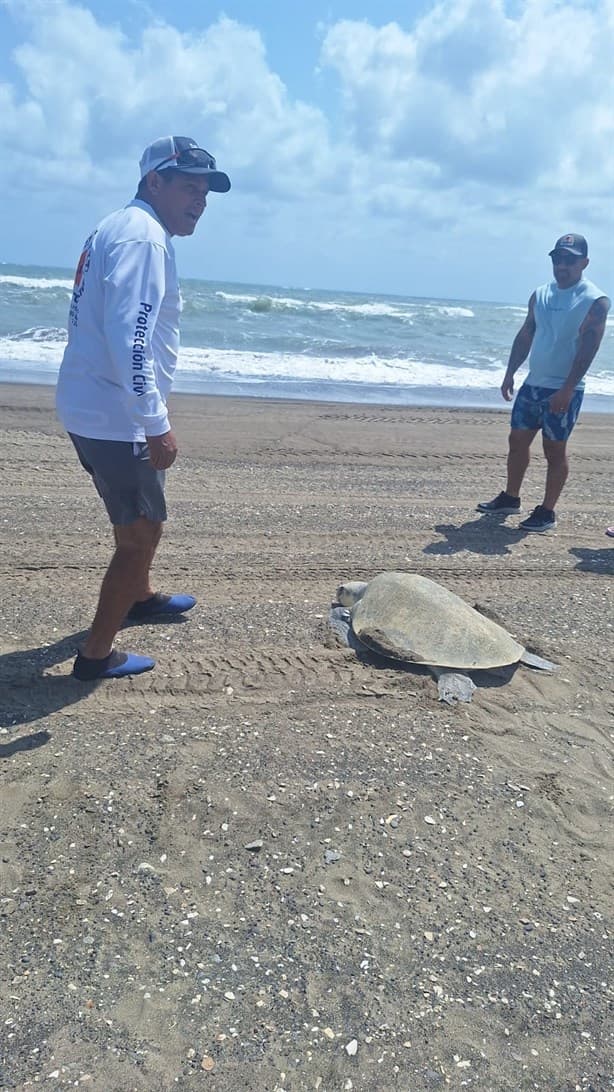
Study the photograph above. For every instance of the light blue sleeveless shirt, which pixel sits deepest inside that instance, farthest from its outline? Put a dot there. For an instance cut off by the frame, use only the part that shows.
(559, 314)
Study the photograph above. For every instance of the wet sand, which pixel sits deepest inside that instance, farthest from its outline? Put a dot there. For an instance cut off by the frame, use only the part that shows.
(425, 901)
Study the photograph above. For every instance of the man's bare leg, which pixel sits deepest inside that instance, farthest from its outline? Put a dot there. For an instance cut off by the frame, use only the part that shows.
(145, 591)
(518, 458)
(125, 581)
(558, 471)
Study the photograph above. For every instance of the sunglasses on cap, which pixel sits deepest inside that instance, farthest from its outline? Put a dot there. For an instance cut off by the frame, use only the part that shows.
(563, 257)
(189, 157)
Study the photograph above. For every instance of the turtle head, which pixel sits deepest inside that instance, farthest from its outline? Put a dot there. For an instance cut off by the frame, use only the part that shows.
(351, 592)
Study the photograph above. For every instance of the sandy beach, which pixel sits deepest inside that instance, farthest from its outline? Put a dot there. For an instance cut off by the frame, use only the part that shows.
(269, 866)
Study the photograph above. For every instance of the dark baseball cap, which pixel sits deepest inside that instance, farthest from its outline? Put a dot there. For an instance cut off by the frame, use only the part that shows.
(183, 154)
(575, 244)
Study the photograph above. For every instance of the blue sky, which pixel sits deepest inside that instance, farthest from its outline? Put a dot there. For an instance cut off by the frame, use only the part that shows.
(427, 148)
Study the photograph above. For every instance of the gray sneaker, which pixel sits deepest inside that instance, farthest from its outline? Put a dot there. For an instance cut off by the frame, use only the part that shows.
(504, 504)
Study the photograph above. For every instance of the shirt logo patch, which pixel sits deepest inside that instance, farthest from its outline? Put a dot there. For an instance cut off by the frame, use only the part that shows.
(79, 285)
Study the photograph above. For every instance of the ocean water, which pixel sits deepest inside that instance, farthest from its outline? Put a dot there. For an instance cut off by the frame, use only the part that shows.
(260, 340)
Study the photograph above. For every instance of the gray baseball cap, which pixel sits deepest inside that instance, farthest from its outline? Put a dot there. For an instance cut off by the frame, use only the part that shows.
(575, 244)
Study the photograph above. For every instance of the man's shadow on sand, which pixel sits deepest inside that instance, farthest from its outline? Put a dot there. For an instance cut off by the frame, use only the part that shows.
(30, 691)
(485, 534)
(594, 561)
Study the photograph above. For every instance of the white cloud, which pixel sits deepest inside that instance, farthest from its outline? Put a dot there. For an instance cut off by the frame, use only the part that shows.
(469, 94)
(484, 119)
(93, 99)
(482, 96)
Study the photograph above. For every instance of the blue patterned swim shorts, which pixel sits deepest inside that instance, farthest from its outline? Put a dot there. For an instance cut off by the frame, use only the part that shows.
(532, 411)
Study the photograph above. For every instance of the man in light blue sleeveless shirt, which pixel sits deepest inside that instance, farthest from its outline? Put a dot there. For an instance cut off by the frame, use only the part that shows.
(562, 331)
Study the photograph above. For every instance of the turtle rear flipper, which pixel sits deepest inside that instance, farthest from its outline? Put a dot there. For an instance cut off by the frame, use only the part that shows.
(531, 659)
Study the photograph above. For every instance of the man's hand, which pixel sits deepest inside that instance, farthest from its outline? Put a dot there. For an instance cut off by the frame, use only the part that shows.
(162, 450)
(559, 401)
(507, 387)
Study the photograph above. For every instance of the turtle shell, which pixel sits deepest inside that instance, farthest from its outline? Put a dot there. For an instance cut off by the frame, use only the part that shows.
(409, 617)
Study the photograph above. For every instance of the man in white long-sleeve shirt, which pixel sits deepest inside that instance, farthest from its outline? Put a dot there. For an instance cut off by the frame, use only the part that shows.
(115, 377)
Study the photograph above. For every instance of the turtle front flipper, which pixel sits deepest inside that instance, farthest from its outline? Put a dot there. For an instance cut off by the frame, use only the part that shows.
(452, 686)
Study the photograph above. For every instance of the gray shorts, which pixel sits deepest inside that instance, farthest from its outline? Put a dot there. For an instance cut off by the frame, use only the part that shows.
(124, 478)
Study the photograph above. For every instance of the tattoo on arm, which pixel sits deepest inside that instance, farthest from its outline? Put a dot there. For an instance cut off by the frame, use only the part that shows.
(589, 339)
(597, 316)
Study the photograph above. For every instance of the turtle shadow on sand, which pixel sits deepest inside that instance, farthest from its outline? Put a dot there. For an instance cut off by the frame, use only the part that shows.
(484, 679)
(28, 692)
(487, 534)
(594, 561)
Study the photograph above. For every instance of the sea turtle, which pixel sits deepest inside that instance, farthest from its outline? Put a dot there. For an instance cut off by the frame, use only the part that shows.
(410, 618)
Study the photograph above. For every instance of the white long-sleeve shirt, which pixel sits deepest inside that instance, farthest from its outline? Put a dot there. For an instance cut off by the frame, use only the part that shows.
(123, 332)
